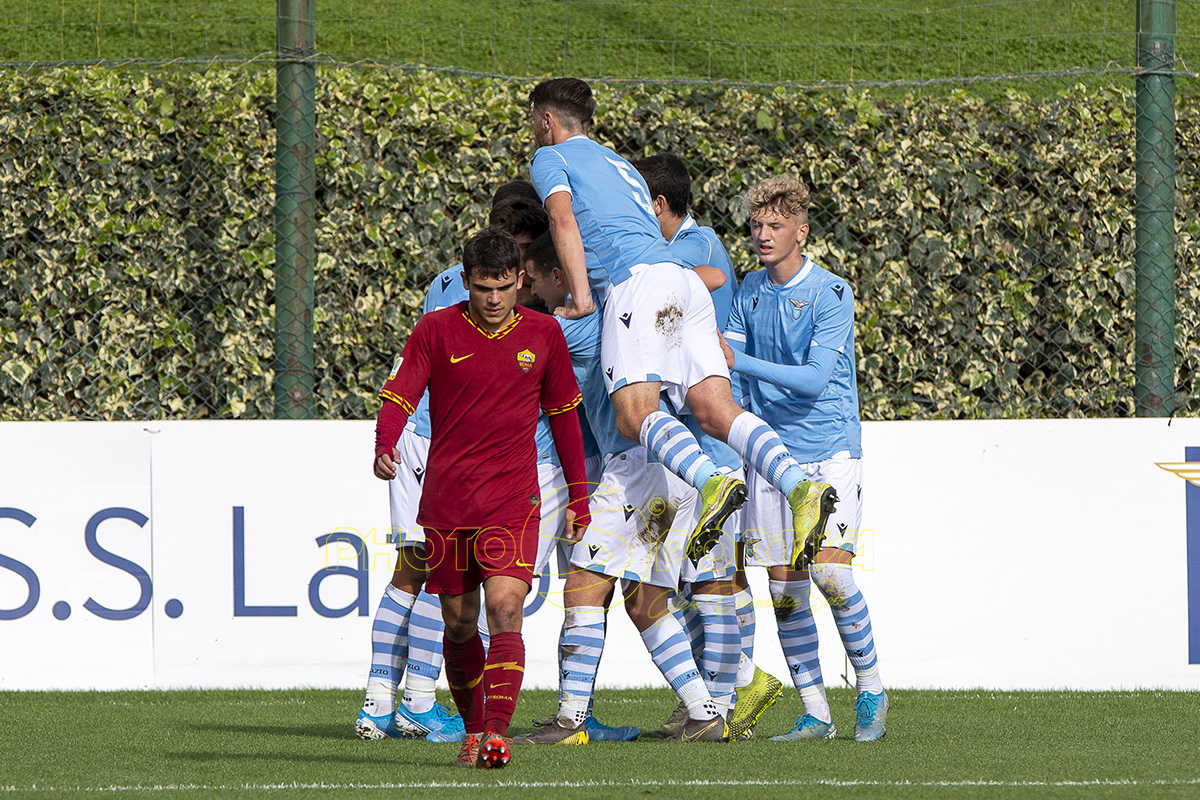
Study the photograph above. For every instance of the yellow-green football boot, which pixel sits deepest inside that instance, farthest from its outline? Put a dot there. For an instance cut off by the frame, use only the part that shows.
(811, 504)
(722, 495)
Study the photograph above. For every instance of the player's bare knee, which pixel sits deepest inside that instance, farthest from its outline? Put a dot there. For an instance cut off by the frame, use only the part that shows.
(460, 627)
(504, 615)
(630, 426)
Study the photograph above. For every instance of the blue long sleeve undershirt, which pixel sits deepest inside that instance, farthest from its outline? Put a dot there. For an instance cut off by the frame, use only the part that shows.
(810, 379)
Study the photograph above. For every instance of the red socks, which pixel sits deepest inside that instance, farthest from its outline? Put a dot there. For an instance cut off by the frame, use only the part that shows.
(464, 672)
(501, 680)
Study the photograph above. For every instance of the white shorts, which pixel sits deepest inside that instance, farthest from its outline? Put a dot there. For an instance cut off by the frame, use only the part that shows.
(551, 540)
(642, 516)
(767, 518)
(659, 325)
(404, 490)
(404, 494)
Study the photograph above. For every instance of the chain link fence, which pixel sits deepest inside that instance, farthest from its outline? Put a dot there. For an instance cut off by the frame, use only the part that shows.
(989, 225)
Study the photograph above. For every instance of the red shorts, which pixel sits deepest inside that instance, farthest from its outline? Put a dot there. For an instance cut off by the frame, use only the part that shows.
(461, 560)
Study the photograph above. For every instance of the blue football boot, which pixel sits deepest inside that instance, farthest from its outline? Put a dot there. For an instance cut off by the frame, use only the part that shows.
(871, 722)
(599, 732)
(372, 727)
(808, 727)
(438, 724)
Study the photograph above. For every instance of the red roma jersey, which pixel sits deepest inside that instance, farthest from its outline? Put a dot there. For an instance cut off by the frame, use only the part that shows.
(485, 393)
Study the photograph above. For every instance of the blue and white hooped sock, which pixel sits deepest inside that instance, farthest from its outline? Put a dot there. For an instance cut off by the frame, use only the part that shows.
(389, 651)
(760, 447)
(684, 607)
(853, 620)
(425, 628)
(744, 603)
(798, 637)
(672, 654)
(582, 644)
(676, 447)
(722, 647)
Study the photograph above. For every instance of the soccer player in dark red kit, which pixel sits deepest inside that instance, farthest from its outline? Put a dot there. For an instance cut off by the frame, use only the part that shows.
(490, 368)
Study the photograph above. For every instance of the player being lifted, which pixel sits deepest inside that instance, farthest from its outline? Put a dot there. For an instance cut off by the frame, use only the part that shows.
(791, 337)
(489, 369)
(719, 615)
(659, 331)
(641, 516)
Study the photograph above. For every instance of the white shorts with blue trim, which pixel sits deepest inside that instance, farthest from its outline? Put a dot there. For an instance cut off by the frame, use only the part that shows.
(659, 325)
(554, 549)
(642, 516)
(767, 518)
(404, 490)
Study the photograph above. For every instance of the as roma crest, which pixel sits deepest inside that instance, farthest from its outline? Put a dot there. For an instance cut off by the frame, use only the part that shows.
(525, 360)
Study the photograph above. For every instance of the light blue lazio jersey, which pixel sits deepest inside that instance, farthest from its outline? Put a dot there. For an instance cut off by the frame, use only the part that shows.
(693, 247)
(583, 346)
(782, 324)
(444, 291)
(611, 205)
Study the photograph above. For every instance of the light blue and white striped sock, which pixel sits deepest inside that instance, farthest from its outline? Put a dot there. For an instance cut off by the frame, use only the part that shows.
(798, 637)
(676, 448)
(853, 620)
(582, 644)
(722, 647)
(684, 606)
(744, 603)
(760, 447)
(425, 628)
(672, 654)
(389, 651)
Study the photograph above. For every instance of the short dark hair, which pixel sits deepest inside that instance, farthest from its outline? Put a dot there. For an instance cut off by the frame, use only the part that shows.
(542, 253)
(513, 190)
(667, 175)
(517, 215)
(491, 253)
(568, 97)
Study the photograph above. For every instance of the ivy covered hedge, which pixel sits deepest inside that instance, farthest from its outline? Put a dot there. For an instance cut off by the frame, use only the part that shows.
(990, 240)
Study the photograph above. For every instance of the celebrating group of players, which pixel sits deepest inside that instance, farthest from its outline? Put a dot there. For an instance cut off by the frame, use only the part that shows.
(606, 435)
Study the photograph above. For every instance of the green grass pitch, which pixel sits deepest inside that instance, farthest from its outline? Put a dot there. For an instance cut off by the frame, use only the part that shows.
(781, 40)
(940, 744)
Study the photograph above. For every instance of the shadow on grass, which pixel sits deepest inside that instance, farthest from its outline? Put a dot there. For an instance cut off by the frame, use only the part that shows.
(306, 731)
(432, 757)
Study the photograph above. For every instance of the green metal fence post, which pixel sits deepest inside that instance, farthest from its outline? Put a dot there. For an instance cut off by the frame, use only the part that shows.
(1154, 389)
(295, 226)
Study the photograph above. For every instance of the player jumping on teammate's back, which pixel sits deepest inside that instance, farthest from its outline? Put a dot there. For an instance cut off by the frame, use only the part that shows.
(637, 536)
(791, 337)
(717, 612)
(659, 333)
(489, 369)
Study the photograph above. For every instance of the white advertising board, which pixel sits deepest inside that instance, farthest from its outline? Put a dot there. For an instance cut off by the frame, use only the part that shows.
(998, 554)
